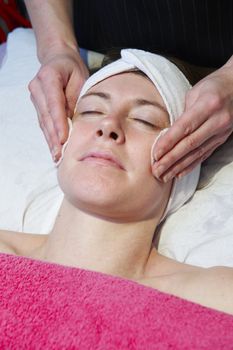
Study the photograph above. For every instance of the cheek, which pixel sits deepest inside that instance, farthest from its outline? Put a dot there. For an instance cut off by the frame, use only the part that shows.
(73, 151)
(140, 152)
(81, 130)
(151, 195)
(79, 137)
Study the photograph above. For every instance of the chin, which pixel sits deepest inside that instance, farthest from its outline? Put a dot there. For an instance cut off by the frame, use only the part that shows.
(108, 195)
(93, 199)
(110, 207)
(92, 185)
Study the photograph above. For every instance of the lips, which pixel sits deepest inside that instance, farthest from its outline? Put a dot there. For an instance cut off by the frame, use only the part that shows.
(102, 158)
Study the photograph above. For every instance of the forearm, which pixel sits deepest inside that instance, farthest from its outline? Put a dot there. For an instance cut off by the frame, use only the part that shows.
(230, 62)
(52, 24)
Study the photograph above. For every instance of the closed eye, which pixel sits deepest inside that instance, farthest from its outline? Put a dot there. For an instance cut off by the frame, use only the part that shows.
(90, 113)
(145, 122)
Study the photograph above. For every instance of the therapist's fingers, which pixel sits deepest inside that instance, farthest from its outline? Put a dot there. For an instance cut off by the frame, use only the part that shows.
(190, 160)
(195, 163)
(44, 117)
(73, 88)
(197, 141)
(51, 84)
(193, 117)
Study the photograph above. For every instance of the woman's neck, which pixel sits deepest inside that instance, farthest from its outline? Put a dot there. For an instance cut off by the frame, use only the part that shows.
(82, 240)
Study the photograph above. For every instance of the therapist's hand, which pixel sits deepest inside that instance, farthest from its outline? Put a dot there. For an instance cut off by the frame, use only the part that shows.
(54, 91)
(206, 123)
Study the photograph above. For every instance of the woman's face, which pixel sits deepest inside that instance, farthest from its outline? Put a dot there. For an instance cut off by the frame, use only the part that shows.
(106, 170)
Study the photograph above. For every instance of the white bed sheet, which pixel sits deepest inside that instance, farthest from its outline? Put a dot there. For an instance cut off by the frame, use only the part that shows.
(200, 233)
(2, 53)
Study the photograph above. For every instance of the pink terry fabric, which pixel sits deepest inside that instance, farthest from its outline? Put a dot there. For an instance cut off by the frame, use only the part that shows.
(49, 306)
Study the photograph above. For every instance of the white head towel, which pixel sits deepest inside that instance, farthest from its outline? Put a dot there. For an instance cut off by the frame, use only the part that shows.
(172, 86)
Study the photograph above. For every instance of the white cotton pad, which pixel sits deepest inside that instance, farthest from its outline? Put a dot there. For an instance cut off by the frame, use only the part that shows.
(163, 132)
(70, 125)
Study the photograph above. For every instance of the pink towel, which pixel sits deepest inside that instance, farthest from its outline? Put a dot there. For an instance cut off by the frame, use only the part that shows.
(49, 306)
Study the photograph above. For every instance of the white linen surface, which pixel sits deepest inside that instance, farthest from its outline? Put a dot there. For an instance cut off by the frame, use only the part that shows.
(200, 233)
(2, 52)
(28, 183)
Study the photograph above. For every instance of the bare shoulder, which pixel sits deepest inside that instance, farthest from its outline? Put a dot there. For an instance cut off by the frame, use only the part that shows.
(220, 277)
(213, 287)
(210, 287)
(221, 273)
(18, 243)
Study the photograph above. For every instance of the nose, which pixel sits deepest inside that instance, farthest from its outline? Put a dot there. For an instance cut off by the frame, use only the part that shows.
(110, 128)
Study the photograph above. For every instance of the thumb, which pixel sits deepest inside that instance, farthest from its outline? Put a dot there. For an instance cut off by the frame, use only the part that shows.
(191, 97)
(72, 92)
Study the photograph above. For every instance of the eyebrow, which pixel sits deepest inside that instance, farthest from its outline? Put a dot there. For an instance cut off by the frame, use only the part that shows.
(104, 95)
(138, 102)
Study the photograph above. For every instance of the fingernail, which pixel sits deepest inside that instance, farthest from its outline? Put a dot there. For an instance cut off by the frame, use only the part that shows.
(55, 150)
(158, 154)
(159, 171)
(180, 175)
(167, 177)
(55, 153)
(60, 136)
